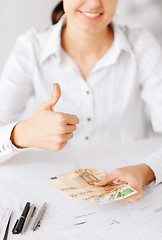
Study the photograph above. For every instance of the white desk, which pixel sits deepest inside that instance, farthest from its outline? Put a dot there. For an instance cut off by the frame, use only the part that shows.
(36, 166)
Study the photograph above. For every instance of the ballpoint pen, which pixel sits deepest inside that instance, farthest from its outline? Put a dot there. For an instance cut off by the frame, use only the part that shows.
(20, 222)
(28, 218)
(36, 223)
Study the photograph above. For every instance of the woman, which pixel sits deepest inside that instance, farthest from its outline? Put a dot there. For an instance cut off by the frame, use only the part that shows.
(111, 82)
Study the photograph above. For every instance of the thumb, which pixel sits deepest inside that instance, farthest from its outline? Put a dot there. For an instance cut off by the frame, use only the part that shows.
(107, 179)
(50, 103)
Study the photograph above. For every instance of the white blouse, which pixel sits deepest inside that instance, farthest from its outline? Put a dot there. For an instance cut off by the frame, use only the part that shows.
(120, 101)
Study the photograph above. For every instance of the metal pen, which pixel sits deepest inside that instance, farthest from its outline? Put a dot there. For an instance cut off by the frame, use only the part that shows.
(36, 223)
(28, 218)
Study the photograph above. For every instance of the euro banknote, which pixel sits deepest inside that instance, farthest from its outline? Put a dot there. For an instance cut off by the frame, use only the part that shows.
(79, 185)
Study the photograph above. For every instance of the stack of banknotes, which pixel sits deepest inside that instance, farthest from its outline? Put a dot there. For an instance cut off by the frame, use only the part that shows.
(79, 184)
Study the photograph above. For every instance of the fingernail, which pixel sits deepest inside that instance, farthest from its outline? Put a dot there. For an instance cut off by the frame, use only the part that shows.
(54, 85)
(97, 182)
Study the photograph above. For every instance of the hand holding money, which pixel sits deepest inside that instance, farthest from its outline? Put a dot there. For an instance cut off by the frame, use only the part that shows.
(136, 176)
(79, 184)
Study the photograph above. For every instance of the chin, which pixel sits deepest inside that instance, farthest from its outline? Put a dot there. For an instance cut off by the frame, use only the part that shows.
(90, 29)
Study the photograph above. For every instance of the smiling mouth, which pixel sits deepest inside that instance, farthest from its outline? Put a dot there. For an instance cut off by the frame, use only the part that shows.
(91, 15)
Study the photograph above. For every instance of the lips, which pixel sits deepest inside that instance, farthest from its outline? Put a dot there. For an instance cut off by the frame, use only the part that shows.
(91, 15)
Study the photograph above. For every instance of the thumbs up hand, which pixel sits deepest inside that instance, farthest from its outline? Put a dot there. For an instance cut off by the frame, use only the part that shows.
(45, 129)
(50, 103)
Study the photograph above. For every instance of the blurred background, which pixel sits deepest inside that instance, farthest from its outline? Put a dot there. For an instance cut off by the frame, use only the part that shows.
(141, 13)
(16, 16)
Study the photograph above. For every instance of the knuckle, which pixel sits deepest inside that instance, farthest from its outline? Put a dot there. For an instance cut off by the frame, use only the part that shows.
(71, 135)
(61, 117)
(63, 122)
(61, 145)
(72, 128)
(62, 129)
(76, 119)
(58, 146)
(60, 138)
(117, 171)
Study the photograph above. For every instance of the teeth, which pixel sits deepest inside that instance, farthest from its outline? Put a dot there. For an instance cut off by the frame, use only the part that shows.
(91, 14)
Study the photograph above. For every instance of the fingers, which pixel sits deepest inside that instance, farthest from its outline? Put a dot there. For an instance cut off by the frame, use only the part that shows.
(69, 136)
(50, 103)
(107, 179)
(134, 197)
(67, 122)
(60, 146)
(71, 119)
(61, 140)
(64, 137)
(63, 145)
(70, 129)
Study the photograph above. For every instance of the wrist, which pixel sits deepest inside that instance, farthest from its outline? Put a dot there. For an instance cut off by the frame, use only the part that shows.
(147, 174)
(18, 135)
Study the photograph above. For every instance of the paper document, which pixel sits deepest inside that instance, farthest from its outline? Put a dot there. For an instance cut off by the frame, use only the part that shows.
(141, 220)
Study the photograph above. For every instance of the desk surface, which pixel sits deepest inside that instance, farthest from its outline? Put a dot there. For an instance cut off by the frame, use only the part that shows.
(34, 167)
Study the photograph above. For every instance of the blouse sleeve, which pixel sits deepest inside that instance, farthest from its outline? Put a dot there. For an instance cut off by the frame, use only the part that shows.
(16, 83)
(149, 57)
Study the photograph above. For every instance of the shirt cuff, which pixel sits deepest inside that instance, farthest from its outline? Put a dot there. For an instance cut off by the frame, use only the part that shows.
(154, 161)
(6, 146)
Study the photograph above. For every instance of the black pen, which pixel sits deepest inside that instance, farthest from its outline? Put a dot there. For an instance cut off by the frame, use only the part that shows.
(20, 222)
